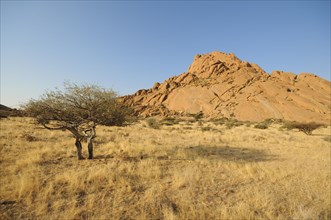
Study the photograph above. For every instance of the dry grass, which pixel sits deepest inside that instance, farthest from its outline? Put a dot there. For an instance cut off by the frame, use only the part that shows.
(166, 173)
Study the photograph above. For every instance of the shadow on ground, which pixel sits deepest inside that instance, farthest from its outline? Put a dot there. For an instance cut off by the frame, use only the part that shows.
(236, 154)
(225, 153)
(106, 156)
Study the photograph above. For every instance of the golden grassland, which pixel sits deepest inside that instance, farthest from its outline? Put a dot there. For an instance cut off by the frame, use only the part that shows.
(184, 171)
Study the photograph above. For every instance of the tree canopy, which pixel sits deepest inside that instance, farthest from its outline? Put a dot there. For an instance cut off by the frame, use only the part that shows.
(78, 109)
(77, 105)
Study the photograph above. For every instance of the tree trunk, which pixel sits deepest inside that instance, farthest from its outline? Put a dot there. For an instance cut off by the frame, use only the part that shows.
(90, 134)
(78, 143)
(79, 149)
(90, 147)
(90, 138)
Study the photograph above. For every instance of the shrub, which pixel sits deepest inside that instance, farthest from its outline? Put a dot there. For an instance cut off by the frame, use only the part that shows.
(153, 123)
(264, 124)
(233, 123)
(248, 123)
(206, 128)
(327, 138)
(169, 121)
(277, 121)
(220, 121)
(261, 125)
(198, 116)
(29, 137)
(307, 128)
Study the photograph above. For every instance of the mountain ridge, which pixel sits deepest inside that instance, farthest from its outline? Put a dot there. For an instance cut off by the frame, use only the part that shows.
(221, 85)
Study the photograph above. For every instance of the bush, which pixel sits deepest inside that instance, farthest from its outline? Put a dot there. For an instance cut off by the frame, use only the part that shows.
(264, 124)
(220, 121)
(261, 125)
(228, 122)
(248, 123)
(153, 123)
(277, 120)
(233, 123)
(307, 128)
(170, 121)
(206, 128)
(327, 138)
(29, 137)
(198, 116)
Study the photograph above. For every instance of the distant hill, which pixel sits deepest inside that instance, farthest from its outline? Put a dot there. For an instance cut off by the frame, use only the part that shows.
(221, 85)
(4, 108)
(6, 111)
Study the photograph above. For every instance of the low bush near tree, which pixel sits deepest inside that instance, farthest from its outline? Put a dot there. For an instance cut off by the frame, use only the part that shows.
(264, 124)
(306, 128)
(153, 123)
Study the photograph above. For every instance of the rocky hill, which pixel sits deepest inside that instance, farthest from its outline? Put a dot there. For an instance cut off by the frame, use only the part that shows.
(5, 111)
(221, 85)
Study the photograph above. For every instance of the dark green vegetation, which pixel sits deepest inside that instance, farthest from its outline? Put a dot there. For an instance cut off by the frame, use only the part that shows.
(153, 123)
(307, 128)
(229, 123)
(7, 112)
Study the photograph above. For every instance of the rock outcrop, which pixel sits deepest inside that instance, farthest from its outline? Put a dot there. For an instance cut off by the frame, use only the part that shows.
(221, 85)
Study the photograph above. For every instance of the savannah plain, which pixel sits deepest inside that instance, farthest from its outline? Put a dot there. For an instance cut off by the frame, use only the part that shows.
(177, 170)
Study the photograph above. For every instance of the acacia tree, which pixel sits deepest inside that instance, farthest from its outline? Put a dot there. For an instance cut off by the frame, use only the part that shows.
(307, 128)
(78, 109)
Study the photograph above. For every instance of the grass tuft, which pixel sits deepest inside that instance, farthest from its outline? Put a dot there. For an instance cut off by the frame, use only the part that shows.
(153, 123)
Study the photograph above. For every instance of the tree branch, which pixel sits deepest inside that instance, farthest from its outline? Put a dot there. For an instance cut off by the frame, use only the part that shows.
(50, 128)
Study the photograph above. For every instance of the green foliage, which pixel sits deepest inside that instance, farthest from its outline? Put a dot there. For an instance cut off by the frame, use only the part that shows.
(307, 128)
(77, 105)
(207, 128)
(169, 121)
(277, 121)
(220, 121)
(264, 124)
(233, 123)
(248, 123)
(198, 116)
(4, 113)
(228, 122)
(10, 113)
(78, 109)
(269, 121)
(153, 123)
(119, 115)
(261, 126)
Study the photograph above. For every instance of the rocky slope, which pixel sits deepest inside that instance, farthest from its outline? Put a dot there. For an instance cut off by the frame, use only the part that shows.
(6, 111)
(221, 85)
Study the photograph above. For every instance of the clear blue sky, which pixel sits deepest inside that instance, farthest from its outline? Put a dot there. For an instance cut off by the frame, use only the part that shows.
(132, 44)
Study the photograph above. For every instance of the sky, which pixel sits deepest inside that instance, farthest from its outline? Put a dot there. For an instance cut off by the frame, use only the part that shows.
(130, 45)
